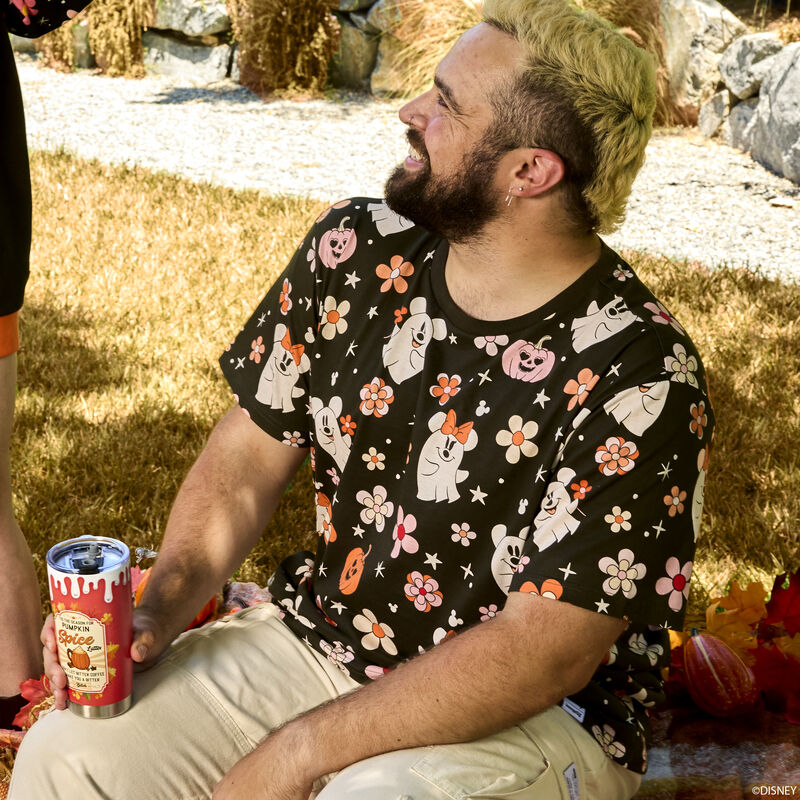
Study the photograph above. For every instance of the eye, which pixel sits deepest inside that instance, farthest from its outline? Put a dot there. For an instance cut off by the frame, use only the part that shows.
(440, 101)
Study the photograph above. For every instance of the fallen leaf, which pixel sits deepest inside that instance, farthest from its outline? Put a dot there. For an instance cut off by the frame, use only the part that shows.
(784, 603)
(749, 603)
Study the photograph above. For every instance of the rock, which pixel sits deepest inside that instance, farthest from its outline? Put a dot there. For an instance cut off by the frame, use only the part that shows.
(385, 16)
(776, 128)
(696, 32)
(745, 63)
(737, 130)
(385, 79)
(235, 72)
(354, 5)
(352, 64)
(198, 64)
(192, 17)
(82, 52)
(21, 44)
(713, 113)
(361, 22)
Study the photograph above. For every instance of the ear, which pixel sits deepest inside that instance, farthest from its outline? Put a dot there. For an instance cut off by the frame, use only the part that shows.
(538, 170)
(437, 420)
(280, 332)
(316, 404)
(439, 328)
(498, 534)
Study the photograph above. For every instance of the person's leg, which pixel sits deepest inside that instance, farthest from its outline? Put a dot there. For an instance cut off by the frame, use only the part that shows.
(20, 604)
(548, 757)
(217, 692)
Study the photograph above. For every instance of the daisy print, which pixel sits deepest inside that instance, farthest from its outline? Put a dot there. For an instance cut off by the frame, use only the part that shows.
(376, 634)
(676, 583)
(621, 273)
(374, 459)
(333, 317)
(293, 438)
(491, 343)
(517, 439)
(257, 348)
(446, 387)
(622, 573)
(403, 540)
(607, 740)
(616, 456)
(423, 591)
(394, 274)
(376, 397)
(682, 366)
(618, 519)
(579, 389)
(638, 644)
(285, 297)
(662, 316)
(376, 507)
(462, 534)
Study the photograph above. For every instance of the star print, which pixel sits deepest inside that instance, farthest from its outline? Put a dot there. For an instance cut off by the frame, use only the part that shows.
(358, 531)
(433, 559)
(239, 363)
(379, 570)
(351, 351)
(337, 606)
(614, 369)
(352, 279)
(308, 303)
(261, 320)
(567, 570)
(429, 256)
(540, 474)
(484, 376)
(452, 338)
(372, 312)
(468, 571)
(602, 607)
(322, 570)
(659, 529)
(559, 434)
(541, 398)
(305, 639)
(665, 471)
(478, 496)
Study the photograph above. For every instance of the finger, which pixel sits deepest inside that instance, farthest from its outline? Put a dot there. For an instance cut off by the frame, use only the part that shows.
(48, 634)
(142, 645)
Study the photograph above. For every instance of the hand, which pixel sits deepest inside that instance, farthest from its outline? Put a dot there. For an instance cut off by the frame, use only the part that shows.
(148, 640)
(56, 675)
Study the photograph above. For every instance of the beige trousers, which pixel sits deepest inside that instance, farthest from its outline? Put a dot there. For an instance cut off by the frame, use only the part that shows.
(220, 689)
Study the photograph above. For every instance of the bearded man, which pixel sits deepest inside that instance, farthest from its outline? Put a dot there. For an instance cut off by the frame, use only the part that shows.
(504, 426)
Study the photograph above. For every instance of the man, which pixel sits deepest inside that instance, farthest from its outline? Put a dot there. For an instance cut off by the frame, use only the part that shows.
(506, 432)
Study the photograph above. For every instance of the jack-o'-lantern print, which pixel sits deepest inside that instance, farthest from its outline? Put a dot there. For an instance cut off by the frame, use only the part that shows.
(337, 245)
(529, 362)
(353, 570)
(78, 658)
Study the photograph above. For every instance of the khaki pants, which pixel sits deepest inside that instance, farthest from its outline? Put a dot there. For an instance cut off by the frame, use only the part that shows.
(220, 689)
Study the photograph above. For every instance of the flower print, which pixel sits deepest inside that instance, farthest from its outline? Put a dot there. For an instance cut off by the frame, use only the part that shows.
(376, 397)
(676, 583)
(293, 439)
(605, 737)
(663, 317)
(337, 652)
(488, 612)
(394, 276)
(491, 343)
(399, 313)
(462, 533)
(257, 348)
(311, 255)
(376, 507)
(682, 366)
(522, 563)
(550, 588)
(517, 438)
(580, 388)
(621, 274)
(405, 525)
(446, 388)
(580, 490)
(374, 459)
(377, 634)
(373, 671)
(334, 475)
(423, 591)
(638, 644)
(27, 9)
(622, 573)
(616, 456)
(333, 318)
(347, 424)
(285, 296)
(618, 520)
(674, 501)
(699, 418)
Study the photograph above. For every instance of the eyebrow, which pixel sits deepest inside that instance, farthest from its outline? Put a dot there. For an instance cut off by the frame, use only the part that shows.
(447, 92)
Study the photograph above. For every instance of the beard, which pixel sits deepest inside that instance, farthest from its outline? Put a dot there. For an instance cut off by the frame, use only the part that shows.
(456, 207)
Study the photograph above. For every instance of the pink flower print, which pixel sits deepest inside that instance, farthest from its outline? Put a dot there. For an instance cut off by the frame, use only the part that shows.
(676, 584)
(257, 348)
(606, 739)
(285, 297)
(662, 316)
(462, 533)
(491, 343)
(334, 475)
(26, 8)
(616, 456)
(423, 591)
(488, 612)
(293, 438)
(405, 525)
(311, 255)
(376, 397)
(622, 573)
(523, 562)
(377, 507)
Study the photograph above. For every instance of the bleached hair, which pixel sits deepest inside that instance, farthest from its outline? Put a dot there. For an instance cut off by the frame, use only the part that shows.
(587, 93)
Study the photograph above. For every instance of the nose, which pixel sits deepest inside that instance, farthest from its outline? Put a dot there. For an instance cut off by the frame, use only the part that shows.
(415, 112)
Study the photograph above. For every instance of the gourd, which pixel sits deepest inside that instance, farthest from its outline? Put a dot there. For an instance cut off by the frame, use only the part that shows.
(353, 569)
(337, 245)
(205, 613)
(526, 361)
(718, 680)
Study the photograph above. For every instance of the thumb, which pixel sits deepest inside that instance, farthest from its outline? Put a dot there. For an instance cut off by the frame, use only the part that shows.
(143, 641)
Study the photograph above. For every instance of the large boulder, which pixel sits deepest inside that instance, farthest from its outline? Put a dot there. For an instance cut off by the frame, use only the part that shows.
(696, 32)
(354, 5)
(776, 130)
(713, 113)
(194, 63)
(192, 17)
(385, 79)
(352, 64)
(737, 130)
(385, 16)
(745, 63)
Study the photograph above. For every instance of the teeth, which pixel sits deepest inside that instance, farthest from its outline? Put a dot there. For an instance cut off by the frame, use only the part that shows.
(416, 155)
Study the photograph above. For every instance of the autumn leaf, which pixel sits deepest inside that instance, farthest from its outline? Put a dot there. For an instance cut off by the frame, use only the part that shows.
(731, 628)
(789, 646)
(11, 738)
(39, 695)
(749, 603)
(778, 676)
(784, 603)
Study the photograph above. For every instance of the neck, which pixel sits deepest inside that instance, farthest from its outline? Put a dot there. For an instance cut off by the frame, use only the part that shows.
(516, 266)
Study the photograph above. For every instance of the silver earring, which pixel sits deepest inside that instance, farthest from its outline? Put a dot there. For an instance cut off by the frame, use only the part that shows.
(509, 197)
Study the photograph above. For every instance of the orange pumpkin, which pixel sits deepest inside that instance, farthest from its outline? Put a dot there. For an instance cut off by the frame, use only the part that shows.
(717, 678)
(206, 612)
(353, 569)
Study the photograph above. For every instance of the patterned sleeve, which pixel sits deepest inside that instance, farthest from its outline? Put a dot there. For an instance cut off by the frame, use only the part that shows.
(616, 529)
(268, 364)
(33, 18)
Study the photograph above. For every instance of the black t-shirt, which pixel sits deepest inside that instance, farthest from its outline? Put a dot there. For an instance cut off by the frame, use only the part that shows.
(562, 452)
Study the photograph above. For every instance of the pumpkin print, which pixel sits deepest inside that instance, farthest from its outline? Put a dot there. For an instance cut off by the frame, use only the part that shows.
(353, 569)
(78, 658)
(337, 245)
(525, 361)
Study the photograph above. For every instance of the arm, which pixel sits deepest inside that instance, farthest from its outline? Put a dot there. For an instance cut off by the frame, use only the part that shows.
(479, 682)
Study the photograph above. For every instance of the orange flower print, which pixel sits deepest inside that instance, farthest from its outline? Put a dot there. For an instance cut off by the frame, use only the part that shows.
(579, 389)
(423, 591)
(550, 588)
(580, 490)
(348, 426)
(616, 456)
(699, 418)
(376, 397)
(446, 388)
(285, 298)
(257, 348)
(394, 276)
(674, 501)
(399, 313)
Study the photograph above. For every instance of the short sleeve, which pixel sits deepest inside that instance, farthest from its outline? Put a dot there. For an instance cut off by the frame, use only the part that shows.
(268, 364)
(33, 18)
(616, 529)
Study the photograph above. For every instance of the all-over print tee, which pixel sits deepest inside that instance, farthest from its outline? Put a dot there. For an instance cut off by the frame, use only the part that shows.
(561, 453)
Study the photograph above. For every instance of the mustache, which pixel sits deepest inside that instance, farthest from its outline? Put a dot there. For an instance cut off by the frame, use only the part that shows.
(416, 141)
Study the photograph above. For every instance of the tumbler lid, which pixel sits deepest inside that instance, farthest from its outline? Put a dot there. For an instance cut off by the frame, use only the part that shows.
(88, 555)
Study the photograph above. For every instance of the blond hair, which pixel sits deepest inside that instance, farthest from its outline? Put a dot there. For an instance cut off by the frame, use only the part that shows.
(586, 88)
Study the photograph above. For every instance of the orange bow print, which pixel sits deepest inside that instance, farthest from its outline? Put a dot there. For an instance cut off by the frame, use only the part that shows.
(295, 349)
(461, 432)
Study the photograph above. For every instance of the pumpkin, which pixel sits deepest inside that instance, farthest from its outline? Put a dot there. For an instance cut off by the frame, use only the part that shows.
(717, 678)
(206, 612)
(337, 245)
(78, 658)
(353, 569)
(526, 361)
